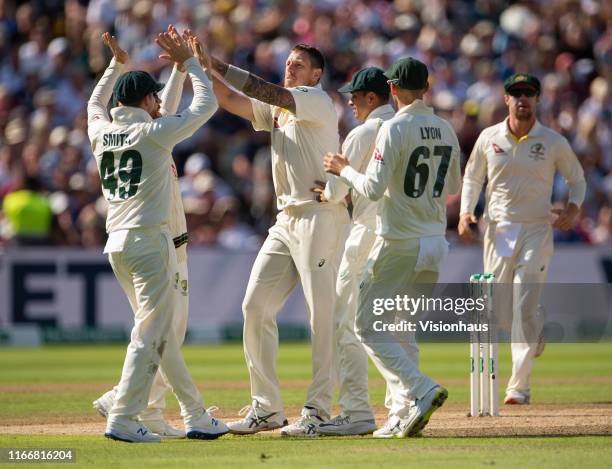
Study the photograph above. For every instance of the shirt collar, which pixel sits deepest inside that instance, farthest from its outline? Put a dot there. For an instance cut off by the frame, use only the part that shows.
(318, 86)
(415, 107)
(129, 115)
(381, 111)
(535, 130)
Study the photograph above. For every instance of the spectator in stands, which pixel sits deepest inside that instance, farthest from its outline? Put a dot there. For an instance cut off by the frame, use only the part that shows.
(52, 57)
(28, 213)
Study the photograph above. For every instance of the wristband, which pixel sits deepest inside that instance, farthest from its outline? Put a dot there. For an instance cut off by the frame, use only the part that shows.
(236, 77)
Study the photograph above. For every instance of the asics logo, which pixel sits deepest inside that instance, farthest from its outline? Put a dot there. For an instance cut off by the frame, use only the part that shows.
(256, 421)
(310, 429)
(142, 431)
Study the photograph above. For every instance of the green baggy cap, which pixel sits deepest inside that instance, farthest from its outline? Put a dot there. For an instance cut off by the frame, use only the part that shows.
(132, 87)
(522, 79)
(408, 73)
(368, 79)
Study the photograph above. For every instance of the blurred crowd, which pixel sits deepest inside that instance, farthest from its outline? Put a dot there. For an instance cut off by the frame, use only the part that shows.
(52, 55)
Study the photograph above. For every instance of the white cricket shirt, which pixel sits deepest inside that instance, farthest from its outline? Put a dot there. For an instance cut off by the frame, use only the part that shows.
(299, 142)
(414, 167)
(358, 147)
(520, 173)
(133, 150)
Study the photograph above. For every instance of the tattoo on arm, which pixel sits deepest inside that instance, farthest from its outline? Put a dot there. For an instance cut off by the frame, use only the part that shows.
(269, 93)
(260, 89)
(219, 66)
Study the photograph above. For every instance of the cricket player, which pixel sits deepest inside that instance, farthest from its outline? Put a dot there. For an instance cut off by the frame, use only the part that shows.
(303, 243)
(519, 157)
(152, 417)
(414, 166)
(133, 152)
(370, 104)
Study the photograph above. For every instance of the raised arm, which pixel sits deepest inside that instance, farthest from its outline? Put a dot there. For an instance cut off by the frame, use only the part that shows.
(254, 86)
(169, 130)
(171, 94)
(96, 106)
(231, 100)
(227, 98)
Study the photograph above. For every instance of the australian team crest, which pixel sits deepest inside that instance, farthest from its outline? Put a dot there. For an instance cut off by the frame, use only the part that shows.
(537, 151)
(184, 287)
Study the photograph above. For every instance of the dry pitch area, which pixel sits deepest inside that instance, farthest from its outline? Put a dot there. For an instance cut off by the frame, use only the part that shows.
(450, 421)
(46, 394)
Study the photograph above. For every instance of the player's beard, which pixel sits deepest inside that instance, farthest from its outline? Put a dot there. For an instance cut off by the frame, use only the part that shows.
(289, 82)
(523, 113)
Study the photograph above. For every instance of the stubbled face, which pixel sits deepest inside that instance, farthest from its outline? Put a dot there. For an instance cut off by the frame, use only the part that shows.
(152, 104)
(360, 105)
(299, 71)
(521, 106)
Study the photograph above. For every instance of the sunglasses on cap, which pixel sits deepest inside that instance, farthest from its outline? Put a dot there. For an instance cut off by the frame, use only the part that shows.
(518, 92)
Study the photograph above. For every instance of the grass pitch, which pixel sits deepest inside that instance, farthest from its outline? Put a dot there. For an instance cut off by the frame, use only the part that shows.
(46, 394)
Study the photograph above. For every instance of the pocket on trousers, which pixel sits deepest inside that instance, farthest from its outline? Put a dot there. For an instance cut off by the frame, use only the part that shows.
(432, 251)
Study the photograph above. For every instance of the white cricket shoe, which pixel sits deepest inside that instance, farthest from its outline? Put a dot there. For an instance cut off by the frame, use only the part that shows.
(162, 428)
(391, 428)
(343, 426)
(104, 403)
(256, 420)
(417, 418)
(205, 426)
(517, 398)
(129, 430)
(306, 425)
(158, 426)
(422, 410)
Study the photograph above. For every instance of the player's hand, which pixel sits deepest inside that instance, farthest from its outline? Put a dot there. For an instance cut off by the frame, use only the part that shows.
(566, 217)
(200, 51)
(174, 46)
(334, 163)
(119, 54)
(464, 227)
(319, 190)
(173, 32)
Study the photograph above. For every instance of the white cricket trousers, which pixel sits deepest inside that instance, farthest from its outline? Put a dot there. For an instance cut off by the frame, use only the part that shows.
(157, 397)
(516, 302)
(303, 244)
(352, 358)
(390, 271)
(146, 270)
